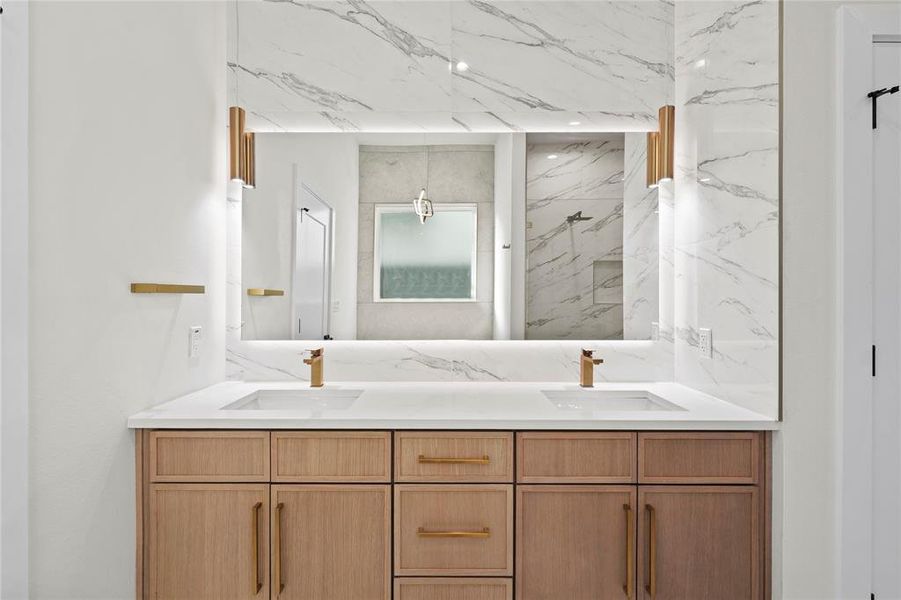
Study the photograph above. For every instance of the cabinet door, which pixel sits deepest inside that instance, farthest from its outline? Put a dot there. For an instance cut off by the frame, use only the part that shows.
(331, 542)
(698, 542)
(208, 541)
(575, 542)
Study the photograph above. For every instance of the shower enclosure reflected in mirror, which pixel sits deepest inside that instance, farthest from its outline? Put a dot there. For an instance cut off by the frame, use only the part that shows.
(541, 236)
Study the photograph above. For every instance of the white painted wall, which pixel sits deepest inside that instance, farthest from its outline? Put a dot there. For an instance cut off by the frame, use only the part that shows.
(127, 176)
(806, 507)
(328, 164)
(14, 301)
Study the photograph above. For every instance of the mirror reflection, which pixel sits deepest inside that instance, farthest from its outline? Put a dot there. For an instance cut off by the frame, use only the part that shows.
(540, 236)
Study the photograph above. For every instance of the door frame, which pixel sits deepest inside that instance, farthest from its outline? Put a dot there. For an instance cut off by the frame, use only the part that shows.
(299, 188)
(14, 300)
(856, 26)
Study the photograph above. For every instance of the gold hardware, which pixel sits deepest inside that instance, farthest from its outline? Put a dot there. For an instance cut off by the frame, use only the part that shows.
(236, 143)
(651, 587)
(481, 460)
(482, 533)
(630, 552)
(166, 288)
(264, 292)
(586, 368)
(256, 548)
(278, 548)
(653, 142)
(248, 159)
(665, 149)
(315, 362)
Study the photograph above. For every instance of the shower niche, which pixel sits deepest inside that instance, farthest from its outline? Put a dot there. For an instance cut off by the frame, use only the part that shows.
(535, 236)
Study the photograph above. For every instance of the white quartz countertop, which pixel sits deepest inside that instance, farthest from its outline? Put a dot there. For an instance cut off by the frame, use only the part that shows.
(466, 405)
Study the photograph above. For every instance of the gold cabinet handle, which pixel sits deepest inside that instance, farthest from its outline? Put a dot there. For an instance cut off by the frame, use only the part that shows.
(257, 585)
(651, 587)
(481, 533)
(449, 460)
(278, 548)
(630, 551)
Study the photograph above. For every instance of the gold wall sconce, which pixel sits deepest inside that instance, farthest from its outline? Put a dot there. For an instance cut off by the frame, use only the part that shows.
(264, 292)
(166, 288)
(241, 149)
(661, 148)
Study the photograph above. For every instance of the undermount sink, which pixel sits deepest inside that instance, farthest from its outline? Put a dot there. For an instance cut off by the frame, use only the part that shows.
(608, 400)
(312, 399)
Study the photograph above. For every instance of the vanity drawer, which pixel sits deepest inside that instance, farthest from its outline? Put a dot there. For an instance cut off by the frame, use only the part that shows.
(575, 457)
(699, 457)
(209, 456)
(453, 456)
(458, 588)
(311, 456)
(453, 530)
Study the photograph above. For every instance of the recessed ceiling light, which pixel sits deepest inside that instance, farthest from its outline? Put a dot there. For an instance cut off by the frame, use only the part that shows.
(552, 156)
(701, 64)
(462, 66)
(574, 123)
(704, 179)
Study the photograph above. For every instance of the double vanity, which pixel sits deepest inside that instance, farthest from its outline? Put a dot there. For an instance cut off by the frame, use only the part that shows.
(452, 491)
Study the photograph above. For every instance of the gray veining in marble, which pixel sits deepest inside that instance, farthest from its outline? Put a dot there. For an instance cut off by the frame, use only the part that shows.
(533, 65)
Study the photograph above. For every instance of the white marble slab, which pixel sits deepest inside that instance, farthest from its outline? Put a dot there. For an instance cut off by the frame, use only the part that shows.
(532, 65)
(726, 246)
(393, 405)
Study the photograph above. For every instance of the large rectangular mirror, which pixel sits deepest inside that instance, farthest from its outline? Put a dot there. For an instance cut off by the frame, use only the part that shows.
(543, 236)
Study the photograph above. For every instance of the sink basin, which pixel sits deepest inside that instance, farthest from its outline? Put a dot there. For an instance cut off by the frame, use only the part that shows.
(311, 399)
(608, 400)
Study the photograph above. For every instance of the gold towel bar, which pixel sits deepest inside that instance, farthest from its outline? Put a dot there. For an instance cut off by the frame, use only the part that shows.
(166, 288)
(483, 533)
(264, 292)
(481, 460)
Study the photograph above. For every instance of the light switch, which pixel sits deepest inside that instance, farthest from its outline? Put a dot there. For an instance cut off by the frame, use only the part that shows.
(705, 342)
(194, 334)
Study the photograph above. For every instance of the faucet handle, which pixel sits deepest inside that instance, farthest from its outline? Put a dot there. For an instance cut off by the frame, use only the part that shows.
(314, 352)
(587, 353)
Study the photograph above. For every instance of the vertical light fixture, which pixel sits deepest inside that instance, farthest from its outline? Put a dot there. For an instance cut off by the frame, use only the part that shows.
(653, 146)
(665, 147)
(236, 143)
(248, 162)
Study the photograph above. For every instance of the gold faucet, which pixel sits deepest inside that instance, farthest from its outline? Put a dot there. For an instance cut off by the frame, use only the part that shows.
(586, 368)
(315, 362)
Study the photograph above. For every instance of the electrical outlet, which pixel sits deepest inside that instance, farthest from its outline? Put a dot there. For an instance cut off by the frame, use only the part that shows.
(655, 331)
(705, 342)
(194, 335)
(336, 306)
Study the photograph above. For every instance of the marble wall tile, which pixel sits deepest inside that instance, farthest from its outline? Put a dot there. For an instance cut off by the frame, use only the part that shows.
(641, 243)
(568, 293)
(533, 65)
(425, 321)
(726, 245)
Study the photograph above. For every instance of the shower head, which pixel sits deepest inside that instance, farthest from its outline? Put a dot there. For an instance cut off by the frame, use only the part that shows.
(577, 217)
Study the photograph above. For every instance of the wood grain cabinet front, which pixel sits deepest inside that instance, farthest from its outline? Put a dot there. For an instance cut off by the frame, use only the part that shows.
(452, 588)
(457, 456)
(700, 457)
(207, 541)
(206, 456)
(331, 456)
(575, 457)
(453, 529)
(331, 542)
(575, 542)
(699, 542)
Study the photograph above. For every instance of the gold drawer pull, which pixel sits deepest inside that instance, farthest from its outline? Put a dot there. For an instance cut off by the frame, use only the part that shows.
(480, 460)
(483, 533)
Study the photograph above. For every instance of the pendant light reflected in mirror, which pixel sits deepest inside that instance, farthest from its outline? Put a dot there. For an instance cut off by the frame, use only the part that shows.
(235, 143)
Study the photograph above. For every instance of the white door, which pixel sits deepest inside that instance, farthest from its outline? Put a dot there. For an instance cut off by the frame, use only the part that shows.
(312, 264)
(887, 326)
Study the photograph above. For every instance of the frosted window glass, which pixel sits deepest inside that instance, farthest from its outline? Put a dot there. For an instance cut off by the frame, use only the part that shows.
(431, 261)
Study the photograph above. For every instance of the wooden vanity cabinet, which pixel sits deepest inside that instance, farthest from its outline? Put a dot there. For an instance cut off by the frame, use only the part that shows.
(207, 541)
(575, 542)
(331, 542)
(346, 515)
